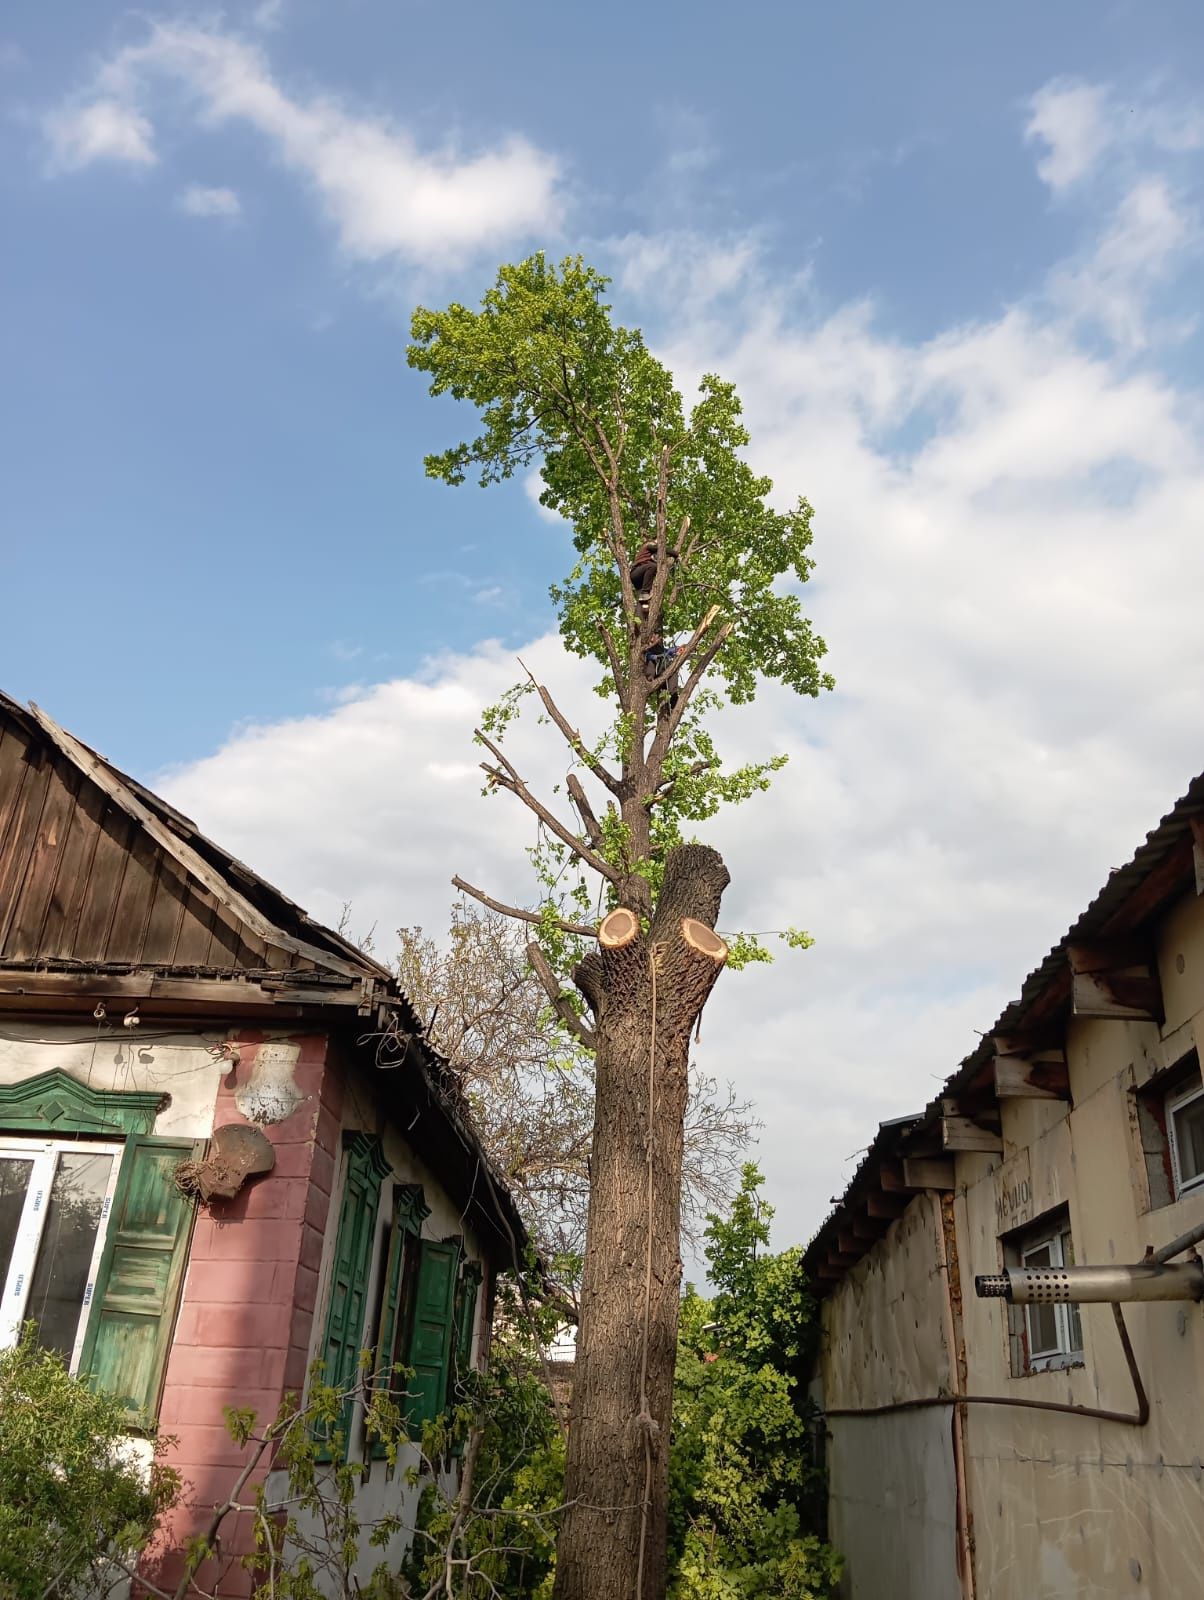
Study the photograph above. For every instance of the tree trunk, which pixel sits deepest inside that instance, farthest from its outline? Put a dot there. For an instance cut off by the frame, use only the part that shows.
(646, 992)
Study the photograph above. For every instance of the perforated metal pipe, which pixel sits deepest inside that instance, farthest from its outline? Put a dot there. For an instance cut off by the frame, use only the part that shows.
(1088, 1285)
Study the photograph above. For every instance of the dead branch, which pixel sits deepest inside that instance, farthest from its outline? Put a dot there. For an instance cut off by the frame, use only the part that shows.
(506, 775)
(560, 1002)
(572, 736)
(585, 811)
(582, 929)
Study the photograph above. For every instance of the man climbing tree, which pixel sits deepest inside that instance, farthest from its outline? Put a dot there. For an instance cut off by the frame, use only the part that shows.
(559, 385)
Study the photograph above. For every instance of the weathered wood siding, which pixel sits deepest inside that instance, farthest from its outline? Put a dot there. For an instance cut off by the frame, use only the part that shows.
(81, 880)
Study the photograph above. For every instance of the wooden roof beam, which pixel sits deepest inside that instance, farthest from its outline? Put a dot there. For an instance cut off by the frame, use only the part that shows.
(1115, 978)
(1025, 1070)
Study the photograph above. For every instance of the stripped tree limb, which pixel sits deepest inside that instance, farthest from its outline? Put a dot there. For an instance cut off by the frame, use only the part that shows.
(585, 811)
(581, 929)
(572, 736)
(506, 775)
(560, 1002)
(687, 650)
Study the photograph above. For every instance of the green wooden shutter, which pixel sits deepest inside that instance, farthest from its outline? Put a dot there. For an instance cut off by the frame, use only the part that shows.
(430, 1341)
(466, 1316)
(138, 1282)
(366, 1166)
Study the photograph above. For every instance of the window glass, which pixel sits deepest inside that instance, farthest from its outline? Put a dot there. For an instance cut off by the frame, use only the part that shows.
(1042, 1317)
(1186, 1118)
(67, 1247)
(15, 1173)
(54, 1200)
(1043, 1333)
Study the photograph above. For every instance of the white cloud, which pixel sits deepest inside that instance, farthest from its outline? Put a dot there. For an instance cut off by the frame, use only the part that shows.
(199, 201)
(385, 197)
(1006, 527)
(1070, 119)
(100, 129)
(1143, 244)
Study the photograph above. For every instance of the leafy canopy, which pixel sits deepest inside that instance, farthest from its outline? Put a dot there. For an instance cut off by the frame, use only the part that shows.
(558, 385)
(557, 382)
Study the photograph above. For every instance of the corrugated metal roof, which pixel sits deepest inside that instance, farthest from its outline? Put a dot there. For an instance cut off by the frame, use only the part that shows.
(1161, 870)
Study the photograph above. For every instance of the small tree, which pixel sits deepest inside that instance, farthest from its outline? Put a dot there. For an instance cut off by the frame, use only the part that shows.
(530, 1087)
(559, 385)
(76, 1501)
(746, 1502)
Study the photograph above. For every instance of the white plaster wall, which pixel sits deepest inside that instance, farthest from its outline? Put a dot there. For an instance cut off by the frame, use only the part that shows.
(892, 1507)
(892, 1489)
(1068, 1506)
(111, 1058)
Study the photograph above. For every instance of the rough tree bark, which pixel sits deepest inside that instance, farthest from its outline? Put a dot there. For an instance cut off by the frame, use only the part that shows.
(646, 992)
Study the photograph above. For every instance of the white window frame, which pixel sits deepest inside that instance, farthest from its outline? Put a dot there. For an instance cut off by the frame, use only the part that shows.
(1174, 1103)
(1067, 1352)
(14, 1292)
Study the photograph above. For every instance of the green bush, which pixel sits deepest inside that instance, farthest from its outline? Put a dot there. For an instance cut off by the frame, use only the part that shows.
(72, 1490)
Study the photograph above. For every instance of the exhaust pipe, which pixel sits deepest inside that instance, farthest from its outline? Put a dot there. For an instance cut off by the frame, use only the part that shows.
(1149, 1280)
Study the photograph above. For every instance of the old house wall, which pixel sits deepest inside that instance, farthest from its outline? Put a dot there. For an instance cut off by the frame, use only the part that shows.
(244, 1330)
(385, 1492)
(1066, 1506)
(243, 1325)
(893, 1492)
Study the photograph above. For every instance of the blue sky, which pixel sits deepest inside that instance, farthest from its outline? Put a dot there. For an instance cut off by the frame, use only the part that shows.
(949, 252)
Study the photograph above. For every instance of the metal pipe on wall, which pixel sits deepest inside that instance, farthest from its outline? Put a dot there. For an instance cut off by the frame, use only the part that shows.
(1147, 1280)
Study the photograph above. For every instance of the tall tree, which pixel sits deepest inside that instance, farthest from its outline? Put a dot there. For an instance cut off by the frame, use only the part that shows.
(559, 385)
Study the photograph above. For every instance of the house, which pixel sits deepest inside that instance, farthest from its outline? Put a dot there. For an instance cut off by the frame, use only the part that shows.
(1073, 1137)
(171, 1027)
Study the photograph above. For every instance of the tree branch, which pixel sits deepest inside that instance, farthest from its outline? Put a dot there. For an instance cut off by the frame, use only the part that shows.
(585, 811)
(583, 930)
(560, 1002)
(686, 651)
(507, 777)
(572, 736)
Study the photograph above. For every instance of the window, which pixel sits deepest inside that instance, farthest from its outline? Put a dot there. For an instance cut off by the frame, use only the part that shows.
(1043, 1335)
(1185, 1131)
(93, 1231)
(1170, 1119)
(55, 1200)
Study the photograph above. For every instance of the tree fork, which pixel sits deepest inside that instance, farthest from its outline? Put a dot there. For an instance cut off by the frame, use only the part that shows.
(646, 991)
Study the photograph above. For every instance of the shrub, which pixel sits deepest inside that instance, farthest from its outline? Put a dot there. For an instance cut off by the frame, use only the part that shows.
(74, 1489)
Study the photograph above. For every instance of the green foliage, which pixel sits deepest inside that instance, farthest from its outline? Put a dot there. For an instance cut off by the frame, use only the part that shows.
(505, 1430)
(543, 356)
(72, 1487)
(558, 385)
(744, 1500)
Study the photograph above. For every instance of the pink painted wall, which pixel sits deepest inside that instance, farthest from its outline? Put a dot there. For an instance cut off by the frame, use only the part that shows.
(243, 1333)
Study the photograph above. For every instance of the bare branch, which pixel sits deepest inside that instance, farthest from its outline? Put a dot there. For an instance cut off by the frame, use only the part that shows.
(585, 811)
(582, 929)
(560, 1001)
(572, 736)
(616, 666)
(506, 776)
